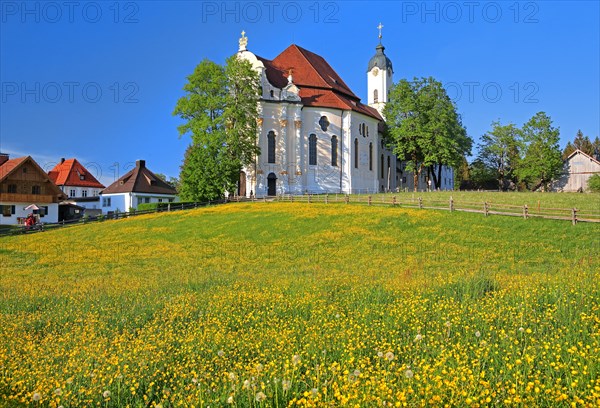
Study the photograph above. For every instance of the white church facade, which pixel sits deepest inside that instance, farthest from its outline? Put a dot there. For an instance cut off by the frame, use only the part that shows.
(315, 135)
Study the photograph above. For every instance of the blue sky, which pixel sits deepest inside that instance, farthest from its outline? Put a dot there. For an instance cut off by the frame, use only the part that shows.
(99, 80)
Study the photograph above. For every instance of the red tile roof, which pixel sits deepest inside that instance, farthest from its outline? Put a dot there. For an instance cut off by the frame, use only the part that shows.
(7, 167)
(320, 85)
(69, 172)
(139, 180)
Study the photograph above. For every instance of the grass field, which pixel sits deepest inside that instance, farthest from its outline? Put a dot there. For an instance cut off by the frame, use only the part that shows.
(277, 304)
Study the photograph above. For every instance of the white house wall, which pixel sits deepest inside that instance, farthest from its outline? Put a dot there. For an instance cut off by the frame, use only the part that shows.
(21, 212)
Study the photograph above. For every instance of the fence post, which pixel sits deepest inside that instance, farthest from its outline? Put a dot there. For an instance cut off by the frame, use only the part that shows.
(369, 200)
(451, 204)
(574, 215)
(264, 199)
(253, 198)
(485, 208)
(308, 198)
(394, 200)
(347, 198)
(525, 211)
(327, 198)
(420, 203)
(291, 198)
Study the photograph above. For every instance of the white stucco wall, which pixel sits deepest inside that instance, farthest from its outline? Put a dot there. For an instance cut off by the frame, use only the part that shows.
(21, 212)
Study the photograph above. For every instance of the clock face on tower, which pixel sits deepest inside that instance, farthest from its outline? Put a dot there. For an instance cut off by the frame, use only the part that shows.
(375, 71)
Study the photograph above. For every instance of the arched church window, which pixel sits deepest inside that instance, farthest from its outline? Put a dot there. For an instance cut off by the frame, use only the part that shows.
(334, 153)
(271, 147)
(356, 153)
(272, 93)
(312, 150)
(360, 129)
(370, 156)
(375, 96)
(324, 123)
(381, 167)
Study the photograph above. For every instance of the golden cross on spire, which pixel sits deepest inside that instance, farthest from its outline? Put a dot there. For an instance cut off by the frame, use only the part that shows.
(380, 26)
(243, 42)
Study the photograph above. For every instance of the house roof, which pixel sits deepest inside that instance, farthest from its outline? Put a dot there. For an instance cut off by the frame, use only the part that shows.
(585, 154)
(71, 173)
(139, 180)
(10, 166)
(320, 85)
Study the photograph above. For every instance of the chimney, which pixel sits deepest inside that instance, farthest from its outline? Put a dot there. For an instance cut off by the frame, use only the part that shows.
(62, 160)
(3, 158)
(140, 163)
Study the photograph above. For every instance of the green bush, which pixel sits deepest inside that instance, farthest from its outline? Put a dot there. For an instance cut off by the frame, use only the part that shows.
(594, 183)
(147, 206)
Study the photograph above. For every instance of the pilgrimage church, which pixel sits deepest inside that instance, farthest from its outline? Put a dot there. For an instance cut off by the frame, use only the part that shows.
(315, 135)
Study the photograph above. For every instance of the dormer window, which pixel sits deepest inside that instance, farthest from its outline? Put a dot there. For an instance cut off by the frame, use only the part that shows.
(82, 177)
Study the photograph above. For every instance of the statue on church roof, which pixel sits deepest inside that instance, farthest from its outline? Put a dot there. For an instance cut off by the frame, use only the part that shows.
(243, 42)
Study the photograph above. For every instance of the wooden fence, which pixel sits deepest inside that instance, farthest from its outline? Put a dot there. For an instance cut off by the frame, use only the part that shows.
(486, 208)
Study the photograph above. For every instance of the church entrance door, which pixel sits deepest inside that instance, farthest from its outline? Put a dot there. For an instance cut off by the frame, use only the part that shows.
(242, 184)
(271, 184)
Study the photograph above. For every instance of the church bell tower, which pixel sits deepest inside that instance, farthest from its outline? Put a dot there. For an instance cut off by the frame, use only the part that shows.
(379, 77)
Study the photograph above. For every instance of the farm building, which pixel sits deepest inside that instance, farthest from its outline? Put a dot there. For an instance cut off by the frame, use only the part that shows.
(26, 188)
(578, 168)
(136, 187)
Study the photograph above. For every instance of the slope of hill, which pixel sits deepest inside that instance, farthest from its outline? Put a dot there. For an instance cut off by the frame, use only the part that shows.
(309, 304)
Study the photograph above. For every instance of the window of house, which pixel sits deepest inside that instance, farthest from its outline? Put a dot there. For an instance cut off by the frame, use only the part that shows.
(71, 193)
(106, 201)
(82, 177)
(140, 200)
(12, 188)
(312, 150)
(24, 169)
(375, 96)
(356, 153)
(388, 166)
(324, 123)
(84, 193)
(36, 190)
(95, 193)
(146, 200)
(370, 156)
(160, 200)
(271, 93)
(43, 211)
(170, 200)
(360, 129)
(7, 210)
(334, 148)
(271, 147)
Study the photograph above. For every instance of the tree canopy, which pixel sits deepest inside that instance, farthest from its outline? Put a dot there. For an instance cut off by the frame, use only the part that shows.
(423, 127)
(220, 110)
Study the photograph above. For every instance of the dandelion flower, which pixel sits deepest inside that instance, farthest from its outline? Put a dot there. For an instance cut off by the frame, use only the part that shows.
(36, 396)
(521, 329)
(477, 333)
(287, 384)
(230, 400)
(106, 394)
(389, 356)
(448, 324)
(58, 391)
(380, 354)
(418, 337)
(259, 367)
(314, 392)
(356, 372)
(295, 359)
(220, 353)
(409, 374)
(260, 396)
(232, 376)
(194, 380)
(246, 384)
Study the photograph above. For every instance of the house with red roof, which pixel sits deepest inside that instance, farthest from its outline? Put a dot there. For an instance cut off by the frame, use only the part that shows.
(315, 134)
(138, 186)
(80, 185)
(25, 188)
